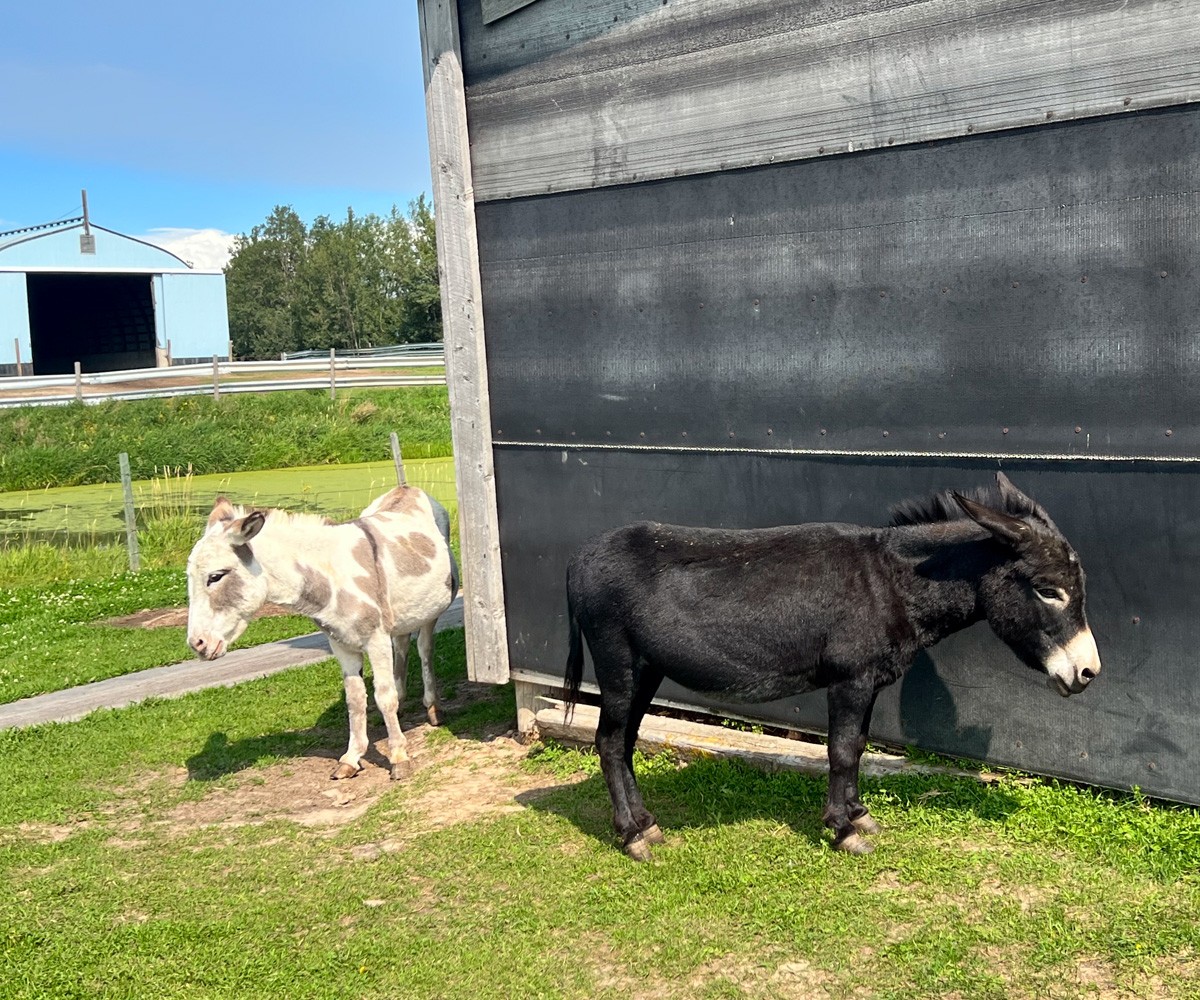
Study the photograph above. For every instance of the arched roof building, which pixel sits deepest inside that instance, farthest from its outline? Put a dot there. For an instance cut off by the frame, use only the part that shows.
(74, 291)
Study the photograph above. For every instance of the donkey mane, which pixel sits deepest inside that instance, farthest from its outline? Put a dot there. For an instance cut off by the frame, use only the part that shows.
(285, 518)
(942, 506)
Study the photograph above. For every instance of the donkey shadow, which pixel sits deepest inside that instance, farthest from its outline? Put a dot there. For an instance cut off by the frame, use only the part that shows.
(713, 792)
(220, 756)
(326, 737)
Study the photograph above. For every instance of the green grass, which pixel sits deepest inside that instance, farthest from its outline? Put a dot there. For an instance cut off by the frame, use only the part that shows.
(49, 446)
(53, 636)
(1010, 889)
(79, 532)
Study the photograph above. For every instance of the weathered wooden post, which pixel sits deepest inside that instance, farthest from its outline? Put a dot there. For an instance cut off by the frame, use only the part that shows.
(216, 378)
(78, 382)
(17, 351)
(395, 441)
(131, 542)
(332, 375)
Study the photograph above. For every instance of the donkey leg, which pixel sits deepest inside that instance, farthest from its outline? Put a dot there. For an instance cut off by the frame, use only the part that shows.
(649, 678)
(848, 704)
(400, 647)
(613, 661)
(432, 698)
(380, 650)
(860, 818)
(351, 660)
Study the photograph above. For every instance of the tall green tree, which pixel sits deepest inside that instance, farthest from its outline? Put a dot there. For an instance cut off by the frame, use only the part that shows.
(262, 285)
(364, 281)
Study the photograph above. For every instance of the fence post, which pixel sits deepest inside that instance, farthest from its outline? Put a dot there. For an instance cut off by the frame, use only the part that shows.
(131, 542)
(17, 349)
(216, 378)
(332, 375)
(400, 480)
(78, 382)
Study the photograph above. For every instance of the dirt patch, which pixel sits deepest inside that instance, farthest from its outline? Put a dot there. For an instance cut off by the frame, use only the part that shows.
(454, 781)
(177, 617)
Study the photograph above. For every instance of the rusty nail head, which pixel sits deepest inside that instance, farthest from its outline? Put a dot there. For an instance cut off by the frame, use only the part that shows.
(886, 433)
(1162, 274)
(822, 432)
(1078, 429)
(1004, 430)
(641, 434)
(1049, 114)
(1128, 101)
(970, 128)
(821, 150)
(1169, 432)
(769, 432)
(1137, 619)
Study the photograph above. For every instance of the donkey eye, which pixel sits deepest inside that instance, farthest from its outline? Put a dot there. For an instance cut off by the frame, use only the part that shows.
(217, 576)
(1052, 595)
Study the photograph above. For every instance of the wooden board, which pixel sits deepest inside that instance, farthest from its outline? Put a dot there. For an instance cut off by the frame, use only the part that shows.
(573, 95)
(466, 362)
(690, 740)
(493, 10)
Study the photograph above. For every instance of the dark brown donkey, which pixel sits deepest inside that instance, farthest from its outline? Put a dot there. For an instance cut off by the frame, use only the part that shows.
(766, 613)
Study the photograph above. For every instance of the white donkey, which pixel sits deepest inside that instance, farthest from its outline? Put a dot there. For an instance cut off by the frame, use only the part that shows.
(367, 583)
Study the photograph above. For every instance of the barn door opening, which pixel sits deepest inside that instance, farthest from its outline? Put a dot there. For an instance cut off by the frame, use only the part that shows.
(103, 321)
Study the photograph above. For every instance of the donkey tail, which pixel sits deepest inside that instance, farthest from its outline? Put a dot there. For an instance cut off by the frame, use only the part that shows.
(574, 674)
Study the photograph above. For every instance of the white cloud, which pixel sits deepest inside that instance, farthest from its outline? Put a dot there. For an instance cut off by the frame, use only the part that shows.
(206, 249)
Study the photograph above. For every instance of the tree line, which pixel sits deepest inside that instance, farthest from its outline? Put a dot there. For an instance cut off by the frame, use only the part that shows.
(366, 281)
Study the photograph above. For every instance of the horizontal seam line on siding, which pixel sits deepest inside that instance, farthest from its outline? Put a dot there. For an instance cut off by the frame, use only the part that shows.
(849, 453)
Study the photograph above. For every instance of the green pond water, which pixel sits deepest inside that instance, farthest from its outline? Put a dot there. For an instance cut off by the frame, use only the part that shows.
(91, 514)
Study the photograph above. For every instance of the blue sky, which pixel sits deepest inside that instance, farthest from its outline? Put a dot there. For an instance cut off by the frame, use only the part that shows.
(199, 118)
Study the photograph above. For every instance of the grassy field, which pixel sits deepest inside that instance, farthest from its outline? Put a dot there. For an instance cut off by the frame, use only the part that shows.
(56, 600)
(49, 446)
(195, 848)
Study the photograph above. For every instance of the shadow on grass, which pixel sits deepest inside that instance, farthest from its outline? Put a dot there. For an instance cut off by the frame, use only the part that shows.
(470, 711)
(713, 792)
(219, 756)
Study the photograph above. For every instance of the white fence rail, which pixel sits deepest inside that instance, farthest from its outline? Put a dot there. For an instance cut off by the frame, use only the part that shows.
(221, 377)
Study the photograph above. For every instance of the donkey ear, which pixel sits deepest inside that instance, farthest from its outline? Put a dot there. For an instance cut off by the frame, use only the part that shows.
(1008, 529)
(222, 511)
(241, 531)
(1009, 493)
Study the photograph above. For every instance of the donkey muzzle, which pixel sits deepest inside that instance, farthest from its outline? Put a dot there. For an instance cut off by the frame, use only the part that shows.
(1072, 667)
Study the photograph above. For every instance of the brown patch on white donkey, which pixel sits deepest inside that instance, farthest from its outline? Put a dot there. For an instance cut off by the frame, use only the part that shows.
(347, 578)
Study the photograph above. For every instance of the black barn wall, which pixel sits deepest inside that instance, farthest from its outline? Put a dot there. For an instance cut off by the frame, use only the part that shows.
(819, 339)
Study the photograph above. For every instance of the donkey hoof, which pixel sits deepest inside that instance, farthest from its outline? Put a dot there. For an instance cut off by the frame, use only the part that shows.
(866, 825)
(402, 769)
(653, 835)
(638, 848)
(344, 770)
(435, 715)
(852, 843)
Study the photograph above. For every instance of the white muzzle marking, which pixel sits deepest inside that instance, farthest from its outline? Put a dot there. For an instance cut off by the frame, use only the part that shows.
(1072, 667)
